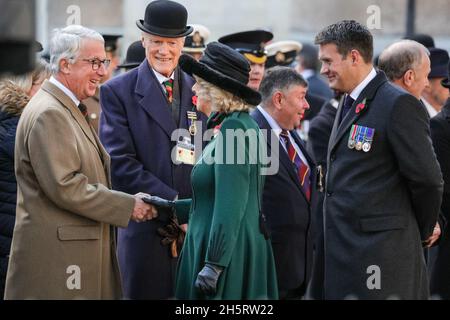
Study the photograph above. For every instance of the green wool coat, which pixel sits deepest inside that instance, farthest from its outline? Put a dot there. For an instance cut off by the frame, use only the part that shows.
(224, 217)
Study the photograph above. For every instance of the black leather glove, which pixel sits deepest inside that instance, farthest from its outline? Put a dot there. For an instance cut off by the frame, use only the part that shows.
(207, 279)
(159, 202)
(172, 235)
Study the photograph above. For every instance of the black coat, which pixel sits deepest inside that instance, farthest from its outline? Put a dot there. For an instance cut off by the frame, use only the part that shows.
(288, 216)
(379, 205)
(319, 135)
(136, 127)
(317, 86)
(440, 272)
(8, 190)
(315, 105)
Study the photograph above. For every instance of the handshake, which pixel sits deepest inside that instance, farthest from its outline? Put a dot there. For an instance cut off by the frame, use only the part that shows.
(146, 207)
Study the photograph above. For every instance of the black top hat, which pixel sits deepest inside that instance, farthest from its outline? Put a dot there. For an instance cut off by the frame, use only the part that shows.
(165, 18)
(224, 68)
(249, 43)
(439, 60)
(446, 82)
(135, 55)
(111, 42)
(424, 39)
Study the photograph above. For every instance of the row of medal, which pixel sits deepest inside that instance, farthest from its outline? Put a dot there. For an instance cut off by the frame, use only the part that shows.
(361, 138)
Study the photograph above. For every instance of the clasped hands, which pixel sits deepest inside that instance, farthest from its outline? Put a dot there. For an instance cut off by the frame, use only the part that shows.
(143, 211)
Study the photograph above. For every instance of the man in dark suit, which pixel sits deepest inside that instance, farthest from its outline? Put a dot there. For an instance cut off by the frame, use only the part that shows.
(289, 193)
(141, 110)
(440, 134)
(383, 186)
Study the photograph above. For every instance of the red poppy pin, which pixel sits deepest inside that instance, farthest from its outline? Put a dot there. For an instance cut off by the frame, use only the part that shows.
(194, 100)
(361, 106)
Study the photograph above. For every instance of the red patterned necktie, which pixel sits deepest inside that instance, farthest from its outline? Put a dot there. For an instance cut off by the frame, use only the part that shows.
(168, 85)
(302, 169)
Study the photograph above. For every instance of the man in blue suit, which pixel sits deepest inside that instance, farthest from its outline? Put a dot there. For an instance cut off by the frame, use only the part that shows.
(141, 110)
(289, 193)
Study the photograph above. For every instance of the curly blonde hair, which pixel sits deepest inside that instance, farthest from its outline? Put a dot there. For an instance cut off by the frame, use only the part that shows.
(221, 100)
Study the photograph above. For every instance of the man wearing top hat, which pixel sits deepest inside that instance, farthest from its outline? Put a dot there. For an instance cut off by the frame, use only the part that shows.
(440, 134)
(93, 103)
(435, 95)
(195, 43)
(251, 45)
(141, 110)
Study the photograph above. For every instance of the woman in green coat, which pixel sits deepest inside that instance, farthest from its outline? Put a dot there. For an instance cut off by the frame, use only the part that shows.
(225, 253)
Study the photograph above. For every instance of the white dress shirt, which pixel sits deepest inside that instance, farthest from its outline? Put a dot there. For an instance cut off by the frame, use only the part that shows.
(277, 130)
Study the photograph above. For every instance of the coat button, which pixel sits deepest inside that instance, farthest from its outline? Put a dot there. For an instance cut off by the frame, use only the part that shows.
(332, 157)
(329, 194)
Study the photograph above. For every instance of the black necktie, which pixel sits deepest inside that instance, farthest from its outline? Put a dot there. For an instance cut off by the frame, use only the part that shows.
(348, 102)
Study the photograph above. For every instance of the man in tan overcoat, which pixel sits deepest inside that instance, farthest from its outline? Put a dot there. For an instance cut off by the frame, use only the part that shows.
(64, 238)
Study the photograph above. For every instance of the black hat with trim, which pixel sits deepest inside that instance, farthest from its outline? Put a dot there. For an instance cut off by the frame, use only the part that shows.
(225, 68)
(196, 41)
(249, 43)
(282, 53)
(111, 42)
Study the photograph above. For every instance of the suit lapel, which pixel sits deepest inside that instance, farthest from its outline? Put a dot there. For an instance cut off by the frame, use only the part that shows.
(280, 154)
(368, 93)
(153, 99)
(185, 99)
(74, 111)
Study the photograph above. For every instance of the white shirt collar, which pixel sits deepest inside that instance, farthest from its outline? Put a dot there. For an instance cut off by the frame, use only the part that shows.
(277, 130)
(162, 78)
(65, 90)
(431, 111)
(307, 73)
(360, 87)
(272, 123)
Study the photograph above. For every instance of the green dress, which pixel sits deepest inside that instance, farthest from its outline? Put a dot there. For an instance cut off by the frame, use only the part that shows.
(223, 217)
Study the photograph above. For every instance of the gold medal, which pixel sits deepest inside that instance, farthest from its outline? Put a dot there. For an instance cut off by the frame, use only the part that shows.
(192, 116)
(193, 129)
(358, 145)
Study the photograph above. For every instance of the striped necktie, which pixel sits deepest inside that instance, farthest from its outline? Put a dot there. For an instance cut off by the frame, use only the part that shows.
(302, 170)
(168, 85)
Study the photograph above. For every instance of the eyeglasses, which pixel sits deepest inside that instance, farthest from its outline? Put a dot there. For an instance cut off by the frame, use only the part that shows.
(96, 63)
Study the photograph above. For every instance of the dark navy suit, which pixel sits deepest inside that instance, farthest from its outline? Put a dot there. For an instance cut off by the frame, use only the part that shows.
(136, 127)
(288, 216)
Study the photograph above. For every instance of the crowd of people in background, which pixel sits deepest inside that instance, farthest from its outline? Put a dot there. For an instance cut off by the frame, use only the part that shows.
(105, 192)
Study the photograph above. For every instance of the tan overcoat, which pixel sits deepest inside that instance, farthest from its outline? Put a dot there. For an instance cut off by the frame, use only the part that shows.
(64, 242)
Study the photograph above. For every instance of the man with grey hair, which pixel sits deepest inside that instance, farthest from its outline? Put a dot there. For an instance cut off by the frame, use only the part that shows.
(407, 64)
(64, 243)
(141, 109)
(289, 194)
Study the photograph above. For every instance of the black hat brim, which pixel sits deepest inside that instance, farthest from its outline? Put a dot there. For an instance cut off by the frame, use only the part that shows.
(446, 83)
(193, 67)
(162, 32)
